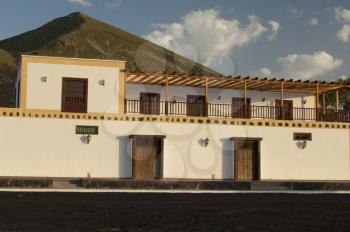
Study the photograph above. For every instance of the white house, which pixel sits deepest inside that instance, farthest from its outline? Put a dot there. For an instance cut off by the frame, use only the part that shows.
(80, 117)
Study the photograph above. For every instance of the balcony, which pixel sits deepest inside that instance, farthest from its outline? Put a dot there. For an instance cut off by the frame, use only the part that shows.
(229, 111)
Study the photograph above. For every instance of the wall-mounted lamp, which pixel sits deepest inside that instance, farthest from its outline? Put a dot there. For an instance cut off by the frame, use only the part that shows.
(304, 101)
(205, 142)
(43, 79)
(219, 97)
(87, 139)
(174, 99)
(302, 144)
(263, 99)
(102, 82)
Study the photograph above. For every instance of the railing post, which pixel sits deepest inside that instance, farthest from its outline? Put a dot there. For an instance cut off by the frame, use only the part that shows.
(206, 97)
(166, 93)
(316, 102)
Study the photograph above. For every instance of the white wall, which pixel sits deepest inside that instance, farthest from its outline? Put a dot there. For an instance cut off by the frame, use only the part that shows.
(180, 93)
(50, 147)
(47, 95)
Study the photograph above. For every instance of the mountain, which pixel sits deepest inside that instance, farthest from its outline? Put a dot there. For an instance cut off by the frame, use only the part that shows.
(8, 74)
(78, 35)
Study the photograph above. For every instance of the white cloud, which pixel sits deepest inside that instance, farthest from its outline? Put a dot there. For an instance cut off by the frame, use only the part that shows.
(212, 36)
(265, 72)
(313, 22)
(342, 14)
(85, 3)
(275, 27)
(294, 13)
(112, 5)
(343, 33)
(306, 66)
(343, 78)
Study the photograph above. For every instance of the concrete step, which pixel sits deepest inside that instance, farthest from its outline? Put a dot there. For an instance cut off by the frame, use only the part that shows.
(66, 184)
(273, 186)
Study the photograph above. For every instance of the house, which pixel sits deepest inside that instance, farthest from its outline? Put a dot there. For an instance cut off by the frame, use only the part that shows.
(82, 117)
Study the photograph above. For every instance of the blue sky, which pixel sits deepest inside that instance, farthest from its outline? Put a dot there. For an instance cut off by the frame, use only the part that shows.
(290, 39)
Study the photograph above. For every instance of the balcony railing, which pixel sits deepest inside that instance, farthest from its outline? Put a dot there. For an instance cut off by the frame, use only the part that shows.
(227, 110)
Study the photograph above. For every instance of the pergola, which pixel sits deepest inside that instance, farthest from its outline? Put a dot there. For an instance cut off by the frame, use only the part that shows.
(237, 82)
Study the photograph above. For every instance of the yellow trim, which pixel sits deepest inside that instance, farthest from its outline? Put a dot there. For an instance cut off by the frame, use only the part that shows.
(54, 114)
(122, 86)
(74, 61)
(58, 60)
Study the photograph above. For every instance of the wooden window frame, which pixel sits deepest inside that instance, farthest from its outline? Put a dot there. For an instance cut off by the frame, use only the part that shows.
(86, 80)
(152, 111)
(188, 106)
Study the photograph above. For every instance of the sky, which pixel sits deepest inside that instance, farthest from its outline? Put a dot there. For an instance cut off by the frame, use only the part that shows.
(297, 39)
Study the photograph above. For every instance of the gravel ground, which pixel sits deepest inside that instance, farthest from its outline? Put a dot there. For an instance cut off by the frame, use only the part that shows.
(173, 212)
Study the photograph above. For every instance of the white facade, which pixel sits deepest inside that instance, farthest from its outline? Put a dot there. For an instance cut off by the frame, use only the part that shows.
(38, 146)
(53, 149)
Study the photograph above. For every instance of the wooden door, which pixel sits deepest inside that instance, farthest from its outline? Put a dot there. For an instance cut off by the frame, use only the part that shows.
(150, 103)
(285, 113)
(146, 158)
(246, 160)
(196, 105)
(239, 109)
(74, 95)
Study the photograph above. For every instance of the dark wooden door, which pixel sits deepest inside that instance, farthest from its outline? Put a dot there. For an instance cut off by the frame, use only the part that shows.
(239, 109)
(150, 103)
(246, 160)
(146, 158)
(74, 95)
(196, 105)
(285, 112)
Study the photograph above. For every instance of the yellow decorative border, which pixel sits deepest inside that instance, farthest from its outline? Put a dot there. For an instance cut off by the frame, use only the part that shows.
(11, 112)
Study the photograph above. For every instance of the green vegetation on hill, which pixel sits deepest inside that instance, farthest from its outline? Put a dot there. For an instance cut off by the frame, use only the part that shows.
(78, 35)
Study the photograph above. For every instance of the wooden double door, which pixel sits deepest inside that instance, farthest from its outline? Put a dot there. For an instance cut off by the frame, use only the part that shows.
(285, 112)
(150, 103)
(246, 159)
(196, 106)
(147, 157)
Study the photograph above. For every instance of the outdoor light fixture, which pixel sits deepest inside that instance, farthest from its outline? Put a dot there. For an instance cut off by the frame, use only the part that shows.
(43, 79)
(87, 139)
(263, 99)
(102, 82)
(219, 97)
(304, 101)
(205, 142)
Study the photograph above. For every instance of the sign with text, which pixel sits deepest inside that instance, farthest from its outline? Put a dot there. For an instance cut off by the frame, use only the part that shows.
(86, 130)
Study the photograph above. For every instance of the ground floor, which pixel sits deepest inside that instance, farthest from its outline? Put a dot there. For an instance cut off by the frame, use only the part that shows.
(77, 148)
(23, 211)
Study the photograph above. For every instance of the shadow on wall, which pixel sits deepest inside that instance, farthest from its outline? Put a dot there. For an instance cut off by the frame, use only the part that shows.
(227, 159)
(125, 156)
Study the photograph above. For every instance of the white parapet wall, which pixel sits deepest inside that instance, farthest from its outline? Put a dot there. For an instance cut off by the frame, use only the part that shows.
(43, 147)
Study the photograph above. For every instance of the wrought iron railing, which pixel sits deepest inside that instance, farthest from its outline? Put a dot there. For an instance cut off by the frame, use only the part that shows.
(226, 110)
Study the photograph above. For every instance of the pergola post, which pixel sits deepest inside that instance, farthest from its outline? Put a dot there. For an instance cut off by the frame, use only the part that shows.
(324, 101)
(337, 101)
(245, 99)
(166, 93)
(206, 96)
(317, 101)
(282, 100)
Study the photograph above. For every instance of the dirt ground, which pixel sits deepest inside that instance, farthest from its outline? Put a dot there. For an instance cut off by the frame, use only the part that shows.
(173, 212)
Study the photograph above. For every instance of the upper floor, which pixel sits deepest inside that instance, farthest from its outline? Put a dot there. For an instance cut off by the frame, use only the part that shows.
(102, 86)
